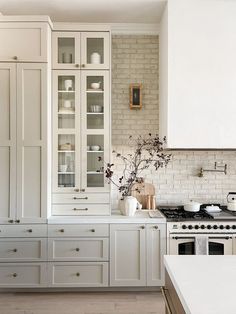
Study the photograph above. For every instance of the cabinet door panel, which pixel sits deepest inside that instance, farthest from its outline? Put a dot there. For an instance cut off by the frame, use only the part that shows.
(156, 248)
(128, 255)
(7, 142)
(32, 121)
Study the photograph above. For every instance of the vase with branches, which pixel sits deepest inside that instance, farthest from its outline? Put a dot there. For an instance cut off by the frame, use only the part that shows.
(148, 151)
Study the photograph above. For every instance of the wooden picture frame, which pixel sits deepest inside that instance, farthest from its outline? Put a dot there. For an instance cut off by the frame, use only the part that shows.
(135, 99)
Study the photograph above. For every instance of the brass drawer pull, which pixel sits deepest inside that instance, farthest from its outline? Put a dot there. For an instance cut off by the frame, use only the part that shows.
(14, 275)
(77, 249)
(80, 208)
(80, 198)
(62, 230)
(77, 274)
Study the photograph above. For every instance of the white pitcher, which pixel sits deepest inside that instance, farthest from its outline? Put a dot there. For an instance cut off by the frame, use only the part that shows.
(130, 205)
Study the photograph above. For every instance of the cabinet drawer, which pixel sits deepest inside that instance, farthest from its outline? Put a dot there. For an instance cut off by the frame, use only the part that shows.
(82, 249)
(23, 231)
(23, 275)
(23, 249)
(83, 198)
(24, 41)
(81, 210)
(78, 274)
(82, 230)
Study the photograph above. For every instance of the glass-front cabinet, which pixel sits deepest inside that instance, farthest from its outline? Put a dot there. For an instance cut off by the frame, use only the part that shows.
(81, 136)
(83, 50)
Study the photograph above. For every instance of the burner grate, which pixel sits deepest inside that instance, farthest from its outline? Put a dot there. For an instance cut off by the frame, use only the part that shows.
(178, 214)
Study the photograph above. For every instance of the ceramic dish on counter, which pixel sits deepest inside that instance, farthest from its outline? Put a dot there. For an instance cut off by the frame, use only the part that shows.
(95, 148)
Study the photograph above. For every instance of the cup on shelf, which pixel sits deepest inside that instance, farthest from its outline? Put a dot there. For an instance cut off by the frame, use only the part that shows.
(95, 85)
(96, 108)
(66, 57)
(67, 103)
(63, 168)
(68, 85)
(95, 58)
(95, 148)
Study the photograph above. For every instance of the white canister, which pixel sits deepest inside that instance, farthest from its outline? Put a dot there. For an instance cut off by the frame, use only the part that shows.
(68, 84)
(63, 168)
(67, 103)
(130, 205)
(95, 58)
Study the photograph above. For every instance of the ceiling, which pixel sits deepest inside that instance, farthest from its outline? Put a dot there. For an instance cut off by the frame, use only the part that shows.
(88, 11)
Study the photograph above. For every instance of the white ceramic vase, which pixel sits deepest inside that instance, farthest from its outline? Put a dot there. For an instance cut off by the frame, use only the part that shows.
(128, 206)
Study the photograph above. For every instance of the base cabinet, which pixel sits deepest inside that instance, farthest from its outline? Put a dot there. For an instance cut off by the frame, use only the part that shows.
(137, 254)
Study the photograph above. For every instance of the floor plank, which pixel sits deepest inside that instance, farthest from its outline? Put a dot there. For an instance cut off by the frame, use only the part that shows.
(82, 303)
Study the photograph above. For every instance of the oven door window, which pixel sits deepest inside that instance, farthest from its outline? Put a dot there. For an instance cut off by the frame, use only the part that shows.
(216, 248)
(220, 246)
(186, 248)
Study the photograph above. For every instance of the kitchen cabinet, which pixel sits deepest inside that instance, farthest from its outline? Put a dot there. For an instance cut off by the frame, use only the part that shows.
(81, 132)
(23, 141)
(81, 50)
(24, 41)
(136, 254)
(198, 74)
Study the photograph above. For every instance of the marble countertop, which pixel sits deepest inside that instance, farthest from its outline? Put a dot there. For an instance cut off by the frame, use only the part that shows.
(116, 217)
(205, 284)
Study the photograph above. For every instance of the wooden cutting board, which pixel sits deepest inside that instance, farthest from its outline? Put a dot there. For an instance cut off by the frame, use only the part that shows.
(144, 190)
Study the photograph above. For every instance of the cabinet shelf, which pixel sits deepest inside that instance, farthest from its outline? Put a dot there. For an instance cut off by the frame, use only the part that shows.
(66, 151)
(66, 172)
(95, 91)
(66, 91)
(93, 113)
(67, 113)
(95, 151)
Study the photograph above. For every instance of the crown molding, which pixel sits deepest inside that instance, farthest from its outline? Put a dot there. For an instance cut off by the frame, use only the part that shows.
(134, 29)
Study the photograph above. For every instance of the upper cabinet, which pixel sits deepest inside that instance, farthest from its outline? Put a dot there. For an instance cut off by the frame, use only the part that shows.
(24, 41)
(198, 74)
(85, 50)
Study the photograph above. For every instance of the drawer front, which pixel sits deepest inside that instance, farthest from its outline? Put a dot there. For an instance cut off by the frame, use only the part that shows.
(82, 230)
(23, 275)
(81, 210)
(78, 274)
(83, 249)
(23, 231)
(103, 198)
(23, 249)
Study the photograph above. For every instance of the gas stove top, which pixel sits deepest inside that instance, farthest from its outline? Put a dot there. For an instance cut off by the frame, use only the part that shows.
(177, 213)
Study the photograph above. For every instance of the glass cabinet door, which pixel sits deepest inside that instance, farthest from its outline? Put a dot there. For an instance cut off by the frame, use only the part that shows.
(95, 128)
(66, 123)
(95, 52)
(66, 50)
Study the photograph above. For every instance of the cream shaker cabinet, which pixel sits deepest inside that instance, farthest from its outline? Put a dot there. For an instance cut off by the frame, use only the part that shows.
(23, 142)
(136, 254)
(24, 41)
(81, 50)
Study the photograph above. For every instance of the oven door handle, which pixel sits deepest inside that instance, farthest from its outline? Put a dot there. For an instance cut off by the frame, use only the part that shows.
(177, 238)
(215, 238)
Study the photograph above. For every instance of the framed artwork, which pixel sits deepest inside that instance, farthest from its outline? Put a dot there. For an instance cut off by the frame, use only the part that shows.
(135, 101)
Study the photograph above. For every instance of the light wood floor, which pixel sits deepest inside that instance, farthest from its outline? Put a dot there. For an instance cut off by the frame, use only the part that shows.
(82, 303)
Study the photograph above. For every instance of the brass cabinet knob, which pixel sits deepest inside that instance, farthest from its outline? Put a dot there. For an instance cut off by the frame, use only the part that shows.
(77, 274)
(77, 65)
(15, 58)
(82, 190)
(142, 227)
(156, 227)
(76, 190)
(92, 230)
(17, 221)
(11, 221)
(14, 275)
(14, 250)
(83, 65)
(30, 230)
(77, 249)
(62, 230)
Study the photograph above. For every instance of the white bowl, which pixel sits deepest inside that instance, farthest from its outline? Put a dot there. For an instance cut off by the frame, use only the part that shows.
(95, 148)
(95, 85)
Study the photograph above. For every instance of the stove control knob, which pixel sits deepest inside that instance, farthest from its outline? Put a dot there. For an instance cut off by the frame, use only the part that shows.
(234, 227)
(184, 227)
(190, 227)
(227, 227)
(196, 227)
(215, 227)
(203, 227)
(209, 227)
(221, 227)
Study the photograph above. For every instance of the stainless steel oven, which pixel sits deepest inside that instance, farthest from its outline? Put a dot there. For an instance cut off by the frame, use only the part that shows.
(185, 244)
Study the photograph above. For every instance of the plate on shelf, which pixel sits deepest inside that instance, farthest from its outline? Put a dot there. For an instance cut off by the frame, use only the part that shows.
(66, 111)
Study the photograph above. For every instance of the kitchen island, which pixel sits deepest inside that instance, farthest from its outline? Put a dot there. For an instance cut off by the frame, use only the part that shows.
(200, 284)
